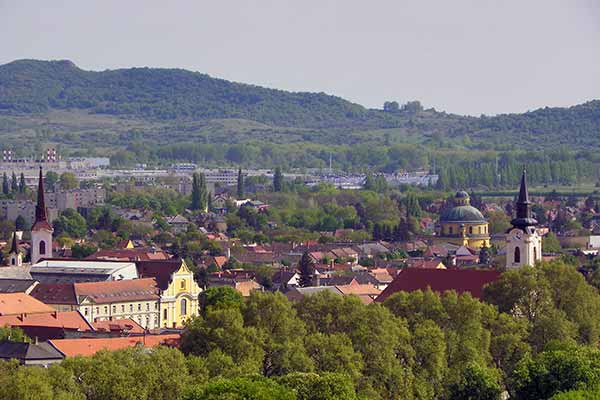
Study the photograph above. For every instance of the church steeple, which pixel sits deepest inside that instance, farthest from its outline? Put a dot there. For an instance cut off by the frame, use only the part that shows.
(14, 248)
(523, 218)
(40, 208)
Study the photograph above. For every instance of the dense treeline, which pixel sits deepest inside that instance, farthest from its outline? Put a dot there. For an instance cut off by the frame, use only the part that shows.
(534, 337)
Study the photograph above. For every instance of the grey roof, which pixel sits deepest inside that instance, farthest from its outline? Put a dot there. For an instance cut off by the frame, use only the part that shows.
(15, 285)
(28, 351)
(462, 214)
(14, 273)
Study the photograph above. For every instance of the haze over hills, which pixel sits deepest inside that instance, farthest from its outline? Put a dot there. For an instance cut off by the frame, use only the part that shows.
(56, 102)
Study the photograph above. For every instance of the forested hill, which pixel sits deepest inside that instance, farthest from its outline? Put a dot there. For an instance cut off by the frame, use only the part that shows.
(191, 104)
(30, 86)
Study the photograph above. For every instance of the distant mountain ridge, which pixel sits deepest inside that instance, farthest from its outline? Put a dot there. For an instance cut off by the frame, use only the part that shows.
(36, 87)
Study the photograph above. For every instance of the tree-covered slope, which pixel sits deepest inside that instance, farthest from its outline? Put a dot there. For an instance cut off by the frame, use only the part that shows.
(162, 104)
(28, 86)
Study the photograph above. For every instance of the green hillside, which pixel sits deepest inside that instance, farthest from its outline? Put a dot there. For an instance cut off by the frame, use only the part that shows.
(163, 115)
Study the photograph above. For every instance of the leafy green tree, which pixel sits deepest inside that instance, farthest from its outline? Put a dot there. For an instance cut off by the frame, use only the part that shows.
(81, 251)
(222, 329)
(68, 181)
(477, 383)
(221, 296)
(334, 353)
(307, 270)
(277, 180)
(280, 332)
(555, 371)
(550, 243)
(71, 223)
(240, 389)
(50, 180)
(327, 386)
(14, 334)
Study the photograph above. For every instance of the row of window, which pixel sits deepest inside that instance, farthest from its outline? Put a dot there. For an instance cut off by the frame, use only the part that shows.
(123, 308)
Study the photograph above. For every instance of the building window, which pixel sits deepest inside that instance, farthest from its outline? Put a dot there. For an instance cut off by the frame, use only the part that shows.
(42, 247)
(97, 310)
(114, 309)
(147, 306)
(85, 311)
(183, 307)
(183, 284)
(166, 314)
(13, 261)
(131, 308)
(470, 230)
(535, 254)
(517, 254)
(122, 308)
(450, 230)
(139, 307)
(105, 309)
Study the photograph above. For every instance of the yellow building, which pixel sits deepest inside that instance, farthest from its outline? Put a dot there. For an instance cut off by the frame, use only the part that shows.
(463, 224)
(178, 290)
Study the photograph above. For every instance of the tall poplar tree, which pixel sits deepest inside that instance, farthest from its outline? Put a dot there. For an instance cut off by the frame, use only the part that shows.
(277, 180)
(14, 185)
(5, 184)
(22, 184)
(240, 184)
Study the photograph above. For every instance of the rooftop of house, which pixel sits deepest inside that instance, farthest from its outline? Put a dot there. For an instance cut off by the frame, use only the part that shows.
(135, 254)
(16, 285)
(118, 291)
(90, 346)
(55, 293)
(21, 303)
(14, 273)
(56, 319)
(28, 351)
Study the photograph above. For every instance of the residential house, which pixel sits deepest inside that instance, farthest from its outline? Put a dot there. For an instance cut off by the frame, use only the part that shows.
(130, 254)
(21, 304)
(38, 354)
(178, 290)
(178, 223)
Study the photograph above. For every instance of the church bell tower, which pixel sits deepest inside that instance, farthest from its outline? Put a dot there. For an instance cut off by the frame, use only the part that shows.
(524, 244)
(41, 231)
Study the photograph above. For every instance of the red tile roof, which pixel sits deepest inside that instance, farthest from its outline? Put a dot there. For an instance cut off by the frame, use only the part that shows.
(55, 293)
(89, 347)
(21, 303)
(440, 280)
(57, 319)
(119, 325)
(118, 291)
(137, 254)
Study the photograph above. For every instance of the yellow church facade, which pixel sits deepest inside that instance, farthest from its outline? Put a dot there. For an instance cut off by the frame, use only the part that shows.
(179, 292)
(464, 225)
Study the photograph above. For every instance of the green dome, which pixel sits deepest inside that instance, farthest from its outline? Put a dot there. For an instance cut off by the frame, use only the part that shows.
(462, 214)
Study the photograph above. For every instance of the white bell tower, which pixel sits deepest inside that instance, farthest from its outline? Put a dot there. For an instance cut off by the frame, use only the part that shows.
(523, 243)
(41, 231)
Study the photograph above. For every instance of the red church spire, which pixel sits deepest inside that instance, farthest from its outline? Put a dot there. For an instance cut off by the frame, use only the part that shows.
(41, 215)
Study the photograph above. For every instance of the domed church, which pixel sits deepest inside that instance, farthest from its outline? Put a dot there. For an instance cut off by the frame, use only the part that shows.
(463, 224)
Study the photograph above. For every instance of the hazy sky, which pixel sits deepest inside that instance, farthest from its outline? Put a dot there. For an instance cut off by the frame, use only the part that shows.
(467, 57)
